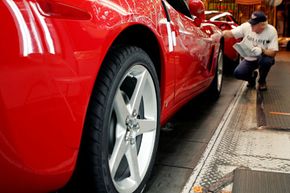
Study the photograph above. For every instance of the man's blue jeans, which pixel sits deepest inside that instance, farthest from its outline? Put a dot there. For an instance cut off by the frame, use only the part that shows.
(245, 68)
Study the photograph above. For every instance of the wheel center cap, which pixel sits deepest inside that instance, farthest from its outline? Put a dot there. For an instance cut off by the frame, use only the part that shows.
(132, 127)
(131, 122)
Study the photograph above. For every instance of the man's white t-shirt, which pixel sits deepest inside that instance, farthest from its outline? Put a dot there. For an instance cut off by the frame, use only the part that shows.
(268, 39)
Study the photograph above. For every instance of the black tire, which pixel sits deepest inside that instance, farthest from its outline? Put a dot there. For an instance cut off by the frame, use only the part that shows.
(215, 88)
(288, 46)
(107, 121)
(230, 65)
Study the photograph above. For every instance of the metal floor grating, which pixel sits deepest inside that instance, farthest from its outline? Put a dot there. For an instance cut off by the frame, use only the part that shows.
(249, 181)
(275, 103)
(241, 142)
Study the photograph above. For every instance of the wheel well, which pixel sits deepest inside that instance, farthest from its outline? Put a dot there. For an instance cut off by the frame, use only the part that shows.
(142, 37)
(222, 42)
(288, 46)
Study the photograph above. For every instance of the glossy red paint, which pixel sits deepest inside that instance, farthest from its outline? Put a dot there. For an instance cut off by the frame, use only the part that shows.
(225, 21)
(51, 53)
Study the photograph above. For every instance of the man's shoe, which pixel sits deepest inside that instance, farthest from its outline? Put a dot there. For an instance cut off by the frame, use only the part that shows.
(252, 81)
(262, 87)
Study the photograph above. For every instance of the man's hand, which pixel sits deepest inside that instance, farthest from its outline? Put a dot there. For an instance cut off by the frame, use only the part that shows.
(257, 51)
(269, 52)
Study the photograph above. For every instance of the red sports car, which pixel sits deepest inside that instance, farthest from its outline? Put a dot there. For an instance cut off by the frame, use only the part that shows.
(225, 21)
(86, 84)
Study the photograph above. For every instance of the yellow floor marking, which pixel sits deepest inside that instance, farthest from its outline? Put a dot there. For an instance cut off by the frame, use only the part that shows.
(280, 113)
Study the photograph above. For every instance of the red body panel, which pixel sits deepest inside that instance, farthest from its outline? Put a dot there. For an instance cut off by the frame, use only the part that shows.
(50, 58)
(230, 52)
(225, 21)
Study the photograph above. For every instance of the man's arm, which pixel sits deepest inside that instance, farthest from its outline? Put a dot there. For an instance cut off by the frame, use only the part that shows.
(228, 34)
(257, 51)
(273, 46)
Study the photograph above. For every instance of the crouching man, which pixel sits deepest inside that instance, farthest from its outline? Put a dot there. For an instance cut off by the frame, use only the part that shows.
(263, 39)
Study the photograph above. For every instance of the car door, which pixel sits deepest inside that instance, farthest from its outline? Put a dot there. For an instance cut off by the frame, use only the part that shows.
(191, 50)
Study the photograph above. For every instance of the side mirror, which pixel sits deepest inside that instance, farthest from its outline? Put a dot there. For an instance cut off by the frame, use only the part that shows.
(196, 8)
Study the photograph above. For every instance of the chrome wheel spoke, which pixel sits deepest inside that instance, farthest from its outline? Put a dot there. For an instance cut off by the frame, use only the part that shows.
(120, 108)
(133, 163)
(138, 91)
(119, 151)
(146, 125)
